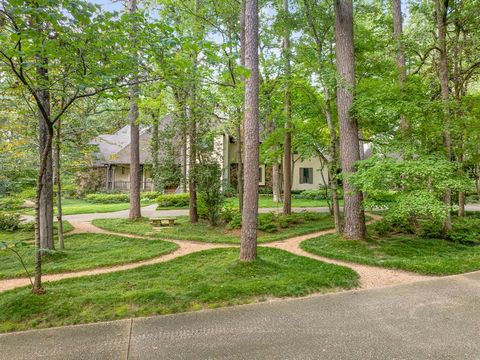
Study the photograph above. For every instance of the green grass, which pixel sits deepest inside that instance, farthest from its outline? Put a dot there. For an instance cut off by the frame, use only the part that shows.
(406, 252)
(77, 206)
(29, 235)
(86, 251)
(206, 279)
(201, 231)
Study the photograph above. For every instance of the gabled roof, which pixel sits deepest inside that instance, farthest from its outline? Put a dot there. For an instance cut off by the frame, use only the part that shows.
(115, 148)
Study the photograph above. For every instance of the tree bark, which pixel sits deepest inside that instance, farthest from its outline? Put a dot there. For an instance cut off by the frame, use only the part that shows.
(333, 166)
(248, 245)
(46, 196)
(37, 284)
(238, 148)
(354, 218)
(240, 125)
(400, 57)
(135, 171)
(441, 7)
(287, 142)
(61, 244)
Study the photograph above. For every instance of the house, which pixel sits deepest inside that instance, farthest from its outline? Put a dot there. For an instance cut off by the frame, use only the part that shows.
(111, 160)
(308, 173)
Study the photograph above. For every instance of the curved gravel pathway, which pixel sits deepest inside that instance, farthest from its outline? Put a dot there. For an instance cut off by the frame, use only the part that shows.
(370, 276)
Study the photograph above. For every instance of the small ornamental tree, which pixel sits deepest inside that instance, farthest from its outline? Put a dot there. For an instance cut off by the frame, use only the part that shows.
(409, 189)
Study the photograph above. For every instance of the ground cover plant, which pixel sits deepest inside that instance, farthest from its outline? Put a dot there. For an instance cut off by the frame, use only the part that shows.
(205, 279)
(399, 246)
(85, 251)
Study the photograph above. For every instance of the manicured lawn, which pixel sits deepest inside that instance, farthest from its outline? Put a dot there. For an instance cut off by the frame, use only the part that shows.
(86, 251)
(28, 235)
(206, 279)
(407, 252)
(183, 230)
(77, 206)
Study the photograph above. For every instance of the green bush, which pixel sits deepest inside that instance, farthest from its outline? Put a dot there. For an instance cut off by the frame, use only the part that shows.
(266, 223)
(465, 231)
(235, 222)
(430, 229)
(210, 192)
(9, 203)
(265, 190)
(9, 222)
(312, 195)
(107, 198)
(228, 213)
(173, 200)
(150, 195)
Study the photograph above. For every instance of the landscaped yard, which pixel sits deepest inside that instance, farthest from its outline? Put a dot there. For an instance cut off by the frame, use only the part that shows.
(86, 251)
(205, 279)
(78, 206)
(201, 231)
(28, 235)
(407, 252)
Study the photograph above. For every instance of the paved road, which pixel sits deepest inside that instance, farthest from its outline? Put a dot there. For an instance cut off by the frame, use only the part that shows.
(435, 319)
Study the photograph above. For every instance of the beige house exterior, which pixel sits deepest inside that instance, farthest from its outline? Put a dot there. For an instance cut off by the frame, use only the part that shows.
(112, 162)
(308, 173)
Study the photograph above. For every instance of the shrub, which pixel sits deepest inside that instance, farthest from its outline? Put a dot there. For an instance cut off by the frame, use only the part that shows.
(150, 195)
(173, 200)
(9, 203)
(211, 197)
(465, 231)
(9, 222)
(107, 198)
(265, 190)
(228, 213)
(267, 222)
(312, 195)
(430, 229)
(235, 222)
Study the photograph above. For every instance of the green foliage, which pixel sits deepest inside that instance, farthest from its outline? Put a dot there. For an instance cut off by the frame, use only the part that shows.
(107, 198)
(267, 223)
(409, 189)
(313, 195)
(173, 200)
(465, 231)
(150, 195)
(211, 197)
(9, 221)
(235, 222)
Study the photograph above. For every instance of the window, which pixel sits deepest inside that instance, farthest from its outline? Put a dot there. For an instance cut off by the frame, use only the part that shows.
(306, 175)
(260, 173)
(123, 170)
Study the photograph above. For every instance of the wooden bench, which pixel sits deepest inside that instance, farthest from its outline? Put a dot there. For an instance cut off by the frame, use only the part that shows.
(159, 222)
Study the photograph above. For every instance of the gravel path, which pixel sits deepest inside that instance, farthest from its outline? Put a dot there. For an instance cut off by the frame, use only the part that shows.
(370, 276)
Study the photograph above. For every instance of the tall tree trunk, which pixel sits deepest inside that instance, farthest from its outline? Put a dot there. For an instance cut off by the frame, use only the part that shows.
(240, 125)
(238, 149)
(135, 171)
(46, 197)
(354, 223)
(61, 244)
(400, 57)
(37, 284)
(248, 245)
(441, 7)
(287, 142)
(333, 166)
